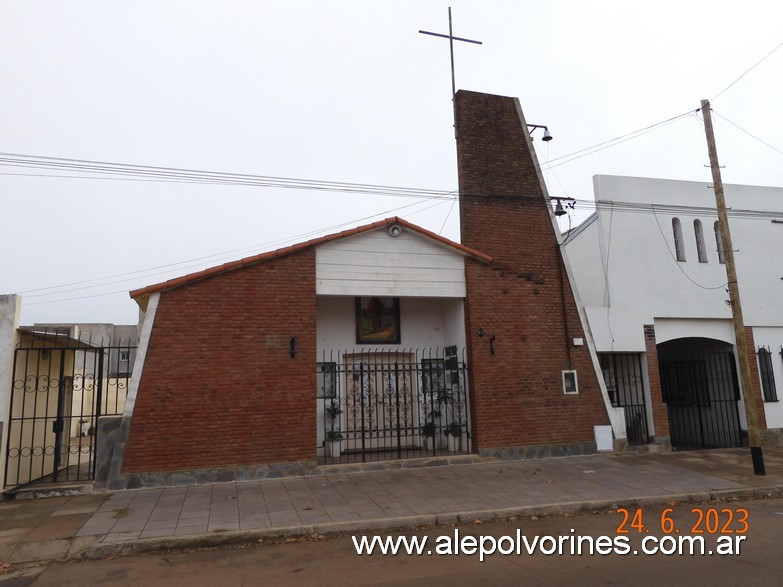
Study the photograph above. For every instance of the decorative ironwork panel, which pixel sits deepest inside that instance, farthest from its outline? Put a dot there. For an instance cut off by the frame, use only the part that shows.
(393, 404)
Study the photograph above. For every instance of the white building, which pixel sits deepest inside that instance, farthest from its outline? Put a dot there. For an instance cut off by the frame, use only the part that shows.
(651, 274)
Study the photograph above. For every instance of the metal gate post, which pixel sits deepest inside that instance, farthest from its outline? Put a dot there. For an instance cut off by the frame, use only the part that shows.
(59, 423)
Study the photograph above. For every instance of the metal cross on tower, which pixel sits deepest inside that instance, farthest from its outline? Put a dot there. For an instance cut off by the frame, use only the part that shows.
(451, 39)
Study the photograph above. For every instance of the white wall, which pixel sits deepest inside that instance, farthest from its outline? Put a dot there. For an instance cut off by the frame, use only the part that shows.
(624, 266)
(672, 328)
(10, 308)
(424, 323)
(376, 264)
(634, 278)
(772, 339)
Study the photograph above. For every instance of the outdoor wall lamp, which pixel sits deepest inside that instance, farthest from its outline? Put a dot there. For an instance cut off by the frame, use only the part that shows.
(292, 347)
(546, 138)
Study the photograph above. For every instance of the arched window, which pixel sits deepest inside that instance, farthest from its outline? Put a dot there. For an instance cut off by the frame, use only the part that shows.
(767, 376)
(679, 245)
(719, 242)
(700, 248)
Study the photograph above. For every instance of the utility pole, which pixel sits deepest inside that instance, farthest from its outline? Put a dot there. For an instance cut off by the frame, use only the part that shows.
(734, 295)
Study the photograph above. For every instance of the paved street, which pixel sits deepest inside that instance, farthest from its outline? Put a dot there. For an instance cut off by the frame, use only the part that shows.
(343, 499)
(334, 561)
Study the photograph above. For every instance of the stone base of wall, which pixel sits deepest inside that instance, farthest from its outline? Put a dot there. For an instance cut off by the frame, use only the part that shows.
(107, 450)
(620, 444)
(108, 427)
(772, 437)
(539, 451)
(206, 476)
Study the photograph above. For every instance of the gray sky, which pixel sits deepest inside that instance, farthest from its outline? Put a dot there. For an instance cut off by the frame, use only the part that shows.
(337, 91)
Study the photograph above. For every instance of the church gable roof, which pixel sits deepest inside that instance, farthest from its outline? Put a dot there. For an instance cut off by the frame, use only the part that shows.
(141, 294)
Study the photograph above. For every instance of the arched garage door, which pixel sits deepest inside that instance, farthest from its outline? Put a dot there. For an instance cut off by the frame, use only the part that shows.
(700, 390)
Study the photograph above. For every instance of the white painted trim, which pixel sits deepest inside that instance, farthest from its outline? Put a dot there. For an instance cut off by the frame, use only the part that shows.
(10, 308)
(141, 355)
(616, 415)
(115, 468)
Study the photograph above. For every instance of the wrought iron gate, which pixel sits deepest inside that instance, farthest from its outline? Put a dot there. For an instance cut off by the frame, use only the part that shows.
(625, 385)
(60, 387)
(701, 392)
(375, 405)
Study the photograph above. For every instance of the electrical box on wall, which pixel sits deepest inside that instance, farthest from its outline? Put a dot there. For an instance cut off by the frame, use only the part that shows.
(570, 383)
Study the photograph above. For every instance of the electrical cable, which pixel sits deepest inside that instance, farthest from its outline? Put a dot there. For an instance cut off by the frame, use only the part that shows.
(191, 263)
(612, 142)
(747, 72)
(748, 133)
(677, 263)
(148, 172)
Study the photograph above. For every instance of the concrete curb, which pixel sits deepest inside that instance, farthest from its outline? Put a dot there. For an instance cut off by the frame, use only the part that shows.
(100, 550)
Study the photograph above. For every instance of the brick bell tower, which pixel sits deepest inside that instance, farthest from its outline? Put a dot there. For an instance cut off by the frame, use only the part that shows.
(523, 327)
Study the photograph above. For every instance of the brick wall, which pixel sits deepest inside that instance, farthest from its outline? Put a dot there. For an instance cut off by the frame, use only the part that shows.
(523, 298)
(659, 409)
(755, 380)
(219, 387)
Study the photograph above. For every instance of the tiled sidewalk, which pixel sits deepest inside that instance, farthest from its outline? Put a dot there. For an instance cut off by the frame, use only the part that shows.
(394, 494)
(339, 500)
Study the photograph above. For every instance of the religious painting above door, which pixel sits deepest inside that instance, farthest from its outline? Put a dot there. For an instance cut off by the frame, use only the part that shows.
(377, 320)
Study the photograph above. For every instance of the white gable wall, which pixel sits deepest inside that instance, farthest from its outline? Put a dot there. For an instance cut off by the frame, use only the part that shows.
(377, 264)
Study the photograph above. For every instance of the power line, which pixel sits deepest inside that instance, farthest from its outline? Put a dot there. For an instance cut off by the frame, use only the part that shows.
(611, 142)
(748, 71)
(133, 172)
(677, 263)
(645, 208)
(749, 134)
(191, 263)
(123, 171)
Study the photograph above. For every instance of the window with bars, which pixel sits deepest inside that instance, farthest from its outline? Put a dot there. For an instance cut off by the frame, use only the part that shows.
(767, 375)
(679, 245)
(701, 249)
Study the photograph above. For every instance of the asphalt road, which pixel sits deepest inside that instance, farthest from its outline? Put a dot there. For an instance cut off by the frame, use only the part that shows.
(333, 561)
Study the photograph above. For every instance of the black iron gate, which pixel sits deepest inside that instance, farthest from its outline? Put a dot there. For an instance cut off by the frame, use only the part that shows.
(701, 391)
(60, 387)
(375, 405)
(625, 385)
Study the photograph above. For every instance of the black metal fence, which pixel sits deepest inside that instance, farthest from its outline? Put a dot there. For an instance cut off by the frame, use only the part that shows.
(392, 404)
(60, 387)
(625, 385)
(701, 392)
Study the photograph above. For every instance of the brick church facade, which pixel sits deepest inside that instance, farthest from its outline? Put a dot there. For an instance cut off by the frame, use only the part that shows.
(230, 358)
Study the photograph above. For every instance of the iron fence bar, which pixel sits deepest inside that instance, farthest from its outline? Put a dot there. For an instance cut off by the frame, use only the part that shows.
(59, 423)
(361, 401)
(397, 403)
(97, 403)
(10, 422)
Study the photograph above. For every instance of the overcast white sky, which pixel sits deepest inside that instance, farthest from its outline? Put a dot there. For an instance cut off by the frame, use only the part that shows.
(336, 91)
